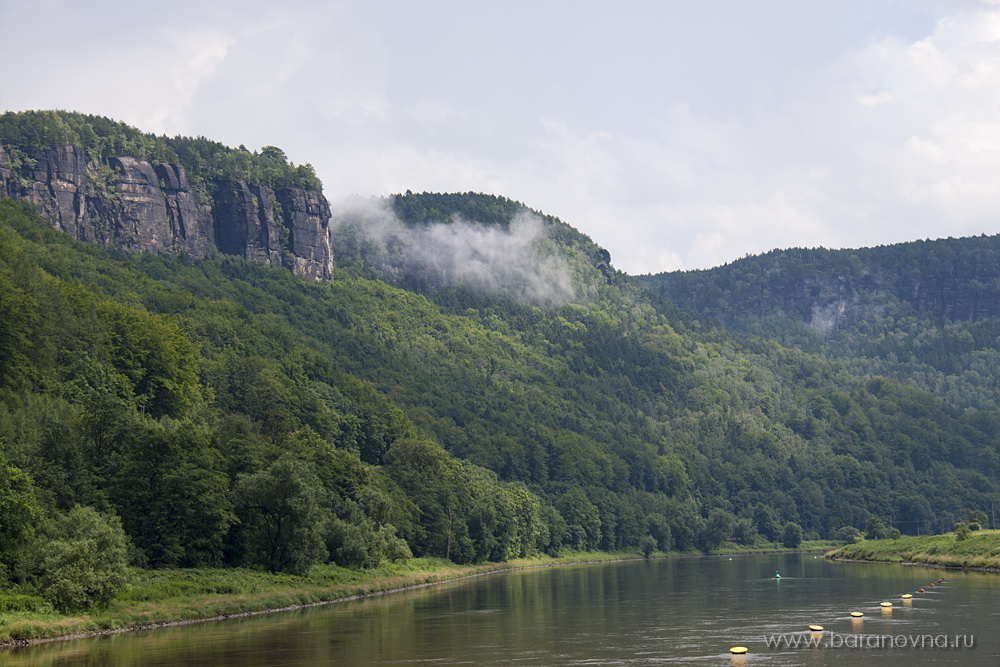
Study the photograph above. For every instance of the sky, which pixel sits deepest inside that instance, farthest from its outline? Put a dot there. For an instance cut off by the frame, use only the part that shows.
(678, 134)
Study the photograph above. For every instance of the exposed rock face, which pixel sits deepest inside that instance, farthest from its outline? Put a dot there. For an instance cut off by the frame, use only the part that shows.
(157, 210)
(307, 215)
(190, 221)
(4, 172)
(135, 205)
(57, 183)
(244, 223)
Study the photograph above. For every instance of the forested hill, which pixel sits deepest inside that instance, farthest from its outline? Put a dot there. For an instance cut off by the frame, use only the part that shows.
(474, 389)
(926, 312)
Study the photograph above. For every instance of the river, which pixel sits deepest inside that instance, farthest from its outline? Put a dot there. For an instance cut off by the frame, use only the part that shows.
(681, 611)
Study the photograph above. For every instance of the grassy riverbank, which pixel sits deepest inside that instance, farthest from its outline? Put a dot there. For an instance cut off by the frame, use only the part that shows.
(981, 550)
(163, 597)
(159, 597)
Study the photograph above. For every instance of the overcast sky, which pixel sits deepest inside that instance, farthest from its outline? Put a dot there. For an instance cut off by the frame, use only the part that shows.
(678, 134)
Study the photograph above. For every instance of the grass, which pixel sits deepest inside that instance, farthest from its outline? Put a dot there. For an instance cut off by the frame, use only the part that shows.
(769, 547)
(980, 551)
(160, 597)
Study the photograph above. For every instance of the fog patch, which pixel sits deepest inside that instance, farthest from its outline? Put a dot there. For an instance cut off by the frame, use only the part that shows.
(826, 317)
(519, 262)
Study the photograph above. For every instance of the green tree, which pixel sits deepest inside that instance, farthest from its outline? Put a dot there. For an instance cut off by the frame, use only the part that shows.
(583, 519)
(647, 545)
(84, 560)
(439, 487)
(717, 529)
(745, 531)
(20, 514)
(975, 519)
(875, 529)
(659, 529)
(282, 521)
(17, 312)
(791, 536)
(172, 496)
(766, 520)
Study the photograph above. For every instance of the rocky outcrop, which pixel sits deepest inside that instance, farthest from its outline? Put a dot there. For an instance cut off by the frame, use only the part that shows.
(244, 223)
(156, 209)
(307, 216)
(132, 204)
(57, 185)
(4, 172)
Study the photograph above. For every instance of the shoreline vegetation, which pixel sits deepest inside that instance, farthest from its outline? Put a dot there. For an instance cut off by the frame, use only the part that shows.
(979, 551)
(171, 597)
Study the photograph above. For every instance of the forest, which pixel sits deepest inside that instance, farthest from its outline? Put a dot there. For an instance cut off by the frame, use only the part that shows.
(926, 313)
(161, 412)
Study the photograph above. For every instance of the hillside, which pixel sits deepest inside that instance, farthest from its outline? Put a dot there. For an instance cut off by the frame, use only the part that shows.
(926, 313)
(474, 381)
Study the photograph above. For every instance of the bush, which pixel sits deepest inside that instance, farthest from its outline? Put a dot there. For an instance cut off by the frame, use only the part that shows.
(846, 534)
(962, 531)
(648, 544)
(85, 560)
(20, 603)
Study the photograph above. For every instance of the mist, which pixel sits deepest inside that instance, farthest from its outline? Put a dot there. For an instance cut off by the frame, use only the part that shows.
(519, 262)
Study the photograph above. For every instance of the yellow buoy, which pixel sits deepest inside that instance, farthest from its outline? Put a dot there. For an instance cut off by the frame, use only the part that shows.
(886, 604)
(856, 614)
(907, 596)
(920, 590)
(816, 628)
(738, 650)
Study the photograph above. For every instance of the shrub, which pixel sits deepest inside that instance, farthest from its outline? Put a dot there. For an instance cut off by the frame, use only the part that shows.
(648, 544)
(85, 560)
(20, 603)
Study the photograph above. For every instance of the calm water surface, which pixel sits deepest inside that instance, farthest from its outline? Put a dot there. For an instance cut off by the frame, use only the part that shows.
(682, 611)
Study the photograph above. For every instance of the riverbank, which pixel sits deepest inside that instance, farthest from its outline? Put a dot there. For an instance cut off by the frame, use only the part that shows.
(980, 551)
(163, 598)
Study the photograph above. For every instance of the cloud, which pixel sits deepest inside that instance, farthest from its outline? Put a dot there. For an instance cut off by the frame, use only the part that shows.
(672, 134)
(145, 75)
(895, 140)
(517, 262)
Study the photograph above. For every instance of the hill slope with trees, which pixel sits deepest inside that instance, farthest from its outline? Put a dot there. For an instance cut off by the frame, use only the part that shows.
(926, 313)
(228, 413)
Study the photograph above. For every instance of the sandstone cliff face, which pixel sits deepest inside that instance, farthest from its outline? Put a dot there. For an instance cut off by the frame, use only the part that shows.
(245, 224)
(137, 206)
(307, 215)
(4, 172)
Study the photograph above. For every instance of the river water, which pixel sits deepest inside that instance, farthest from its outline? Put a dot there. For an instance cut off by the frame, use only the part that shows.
(682, 611)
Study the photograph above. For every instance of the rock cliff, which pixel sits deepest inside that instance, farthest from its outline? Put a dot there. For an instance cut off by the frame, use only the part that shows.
(138, 206)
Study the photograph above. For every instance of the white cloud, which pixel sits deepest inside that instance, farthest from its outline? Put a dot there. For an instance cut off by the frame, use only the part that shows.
(514, 261)
(675, 136)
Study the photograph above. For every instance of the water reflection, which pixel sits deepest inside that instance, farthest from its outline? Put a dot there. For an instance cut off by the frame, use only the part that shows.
(635, 613)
